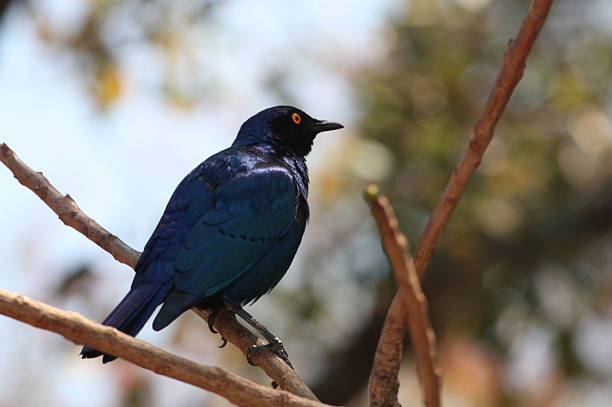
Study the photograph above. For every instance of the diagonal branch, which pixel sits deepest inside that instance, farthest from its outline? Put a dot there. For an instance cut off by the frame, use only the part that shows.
(67, 209)
(73, 216)
(82, 331)
(388, 355)
(509, 76)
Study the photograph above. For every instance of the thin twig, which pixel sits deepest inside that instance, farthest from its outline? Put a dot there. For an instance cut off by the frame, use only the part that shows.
(509, 76)
(73, 216)
(396, 248)
(82, 331)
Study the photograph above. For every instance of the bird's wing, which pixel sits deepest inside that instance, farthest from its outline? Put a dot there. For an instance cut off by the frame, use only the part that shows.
(249, 213)
(193, 197)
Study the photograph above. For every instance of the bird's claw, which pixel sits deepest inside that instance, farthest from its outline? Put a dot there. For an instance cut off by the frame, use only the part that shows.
(211, 321)
(250, 351)
(223, 343)
(275, 346)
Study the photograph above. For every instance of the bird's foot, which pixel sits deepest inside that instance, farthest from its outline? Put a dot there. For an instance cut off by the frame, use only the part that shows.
(212, 317)
(275, 346)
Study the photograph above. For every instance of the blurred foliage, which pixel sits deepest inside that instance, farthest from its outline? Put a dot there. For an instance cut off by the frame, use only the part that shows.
(109, 27)
(73, 280)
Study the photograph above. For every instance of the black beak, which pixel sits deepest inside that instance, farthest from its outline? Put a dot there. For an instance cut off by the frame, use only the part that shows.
(324, 125)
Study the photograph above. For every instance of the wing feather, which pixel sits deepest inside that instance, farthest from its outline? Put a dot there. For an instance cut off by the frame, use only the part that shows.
(249, 214)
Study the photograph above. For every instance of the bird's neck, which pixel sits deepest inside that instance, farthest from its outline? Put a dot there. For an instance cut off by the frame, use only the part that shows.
(256, 134)
(298, 165)
(277, 153)
(295, 163)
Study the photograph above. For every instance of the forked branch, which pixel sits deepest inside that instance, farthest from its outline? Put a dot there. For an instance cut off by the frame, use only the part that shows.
(388, 356)
(509, 76)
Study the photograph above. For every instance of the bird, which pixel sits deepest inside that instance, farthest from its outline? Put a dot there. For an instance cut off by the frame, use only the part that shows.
(229, 231)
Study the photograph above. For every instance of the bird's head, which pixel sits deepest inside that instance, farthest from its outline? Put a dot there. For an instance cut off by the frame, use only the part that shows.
(284, 127)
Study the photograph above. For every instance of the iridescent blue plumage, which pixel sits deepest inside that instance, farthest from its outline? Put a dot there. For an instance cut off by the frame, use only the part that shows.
(231, 227)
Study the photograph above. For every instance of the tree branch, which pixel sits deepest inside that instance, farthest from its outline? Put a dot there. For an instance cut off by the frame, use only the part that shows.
(73, 216)
(82, 331)
(388, 355)
(383, 384)
(67, 210)
(509, 76)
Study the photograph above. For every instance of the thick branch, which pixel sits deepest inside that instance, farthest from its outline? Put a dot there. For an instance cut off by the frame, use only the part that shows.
(71, 215)
(388, 355)
(82, 331)
(383, 384)
(509, 76)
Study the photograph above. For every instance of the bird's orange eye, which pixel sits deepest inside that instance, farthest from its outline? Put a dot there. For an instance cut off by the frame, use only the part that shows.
(296, 118)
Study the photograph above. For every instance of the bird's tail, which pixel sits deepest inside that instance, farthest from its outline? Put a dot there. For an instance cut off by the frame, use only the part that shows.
(131, 314)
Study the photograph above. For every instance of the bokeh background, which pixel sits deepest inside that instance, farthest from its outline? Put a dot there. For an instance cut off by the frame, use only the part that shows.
(117, 100)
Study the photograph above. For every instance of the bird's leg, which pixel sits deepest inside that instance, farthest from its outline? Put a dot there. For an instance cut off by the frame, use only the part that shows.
(273, 344)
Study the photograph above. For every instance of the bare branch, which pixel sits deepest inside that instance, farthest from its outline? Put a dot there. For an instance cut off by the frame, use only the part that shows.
(73, 216)
(383, 384)
(67, 209)
(386, 364)
(82, 331)
(509, 76)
